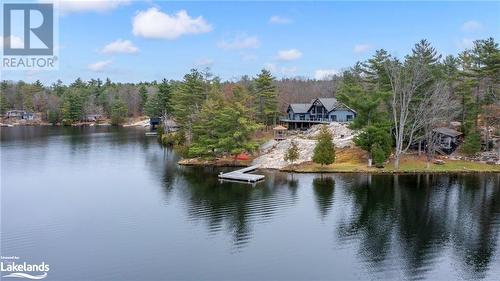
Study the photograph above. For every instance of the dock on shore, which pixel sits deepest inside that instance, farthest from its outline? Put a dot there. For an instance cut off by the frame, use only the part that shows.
(242, 175)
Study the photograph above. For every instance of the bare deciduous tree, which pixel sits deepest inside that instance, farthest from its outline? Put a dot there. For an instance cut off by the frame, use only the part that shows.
(440, 108)
(408, 102)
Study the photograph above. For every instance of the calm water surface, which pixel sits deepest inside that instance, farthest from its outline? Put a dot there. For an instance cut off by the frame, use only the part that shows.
(110, 204)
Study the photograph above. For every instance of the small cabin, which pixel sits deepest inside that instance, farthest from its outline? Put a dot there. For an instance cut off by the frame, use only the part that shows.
(447, 139)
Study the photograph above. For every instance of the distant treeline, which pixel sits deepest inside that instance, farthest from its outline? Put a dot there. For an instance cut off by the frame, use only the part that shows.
(81, 98)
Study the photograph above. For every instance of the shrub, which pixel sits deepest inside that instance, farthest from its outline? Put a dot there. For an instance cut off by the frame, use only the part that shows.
(292, 153)
(379, 155)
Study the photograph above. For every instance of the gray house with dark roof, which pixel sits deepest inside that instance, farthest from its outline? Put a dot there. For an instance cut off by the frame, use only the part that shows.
(320, 110)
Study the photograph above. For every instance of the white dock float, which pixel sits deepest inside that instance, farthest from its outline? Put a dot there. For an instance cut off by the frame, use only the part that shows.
(241, 175)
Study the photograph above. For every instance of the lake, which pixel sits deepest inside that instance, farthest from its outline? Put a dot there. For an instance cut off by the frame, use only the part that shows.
(104, 203)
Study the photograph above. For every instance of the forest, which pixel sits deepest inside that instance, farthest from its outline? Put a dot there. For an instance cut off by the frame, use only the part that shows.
(398, 101)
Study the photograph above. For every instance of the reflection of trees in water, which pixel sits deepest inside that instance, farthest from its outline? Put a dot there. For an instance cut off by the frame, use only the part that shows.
(476, 232)
(421, 213)
(323, 189)
(232, 206)
(373, 216)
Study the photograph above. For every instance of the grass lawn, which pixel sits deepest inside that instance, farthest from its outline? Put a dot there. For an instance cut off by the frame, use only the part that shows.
(355, 160)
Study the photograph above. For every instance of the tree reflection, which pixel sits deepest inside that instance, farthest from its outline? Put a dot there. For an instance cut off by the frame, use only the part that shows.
(323, 189)
(232, 206)
(416, 217)
(373, 216)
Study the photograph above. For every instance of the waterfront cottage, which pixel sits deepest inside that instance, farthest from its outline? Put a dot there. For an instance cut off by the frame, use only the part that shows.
(447, 139)
(320, 110)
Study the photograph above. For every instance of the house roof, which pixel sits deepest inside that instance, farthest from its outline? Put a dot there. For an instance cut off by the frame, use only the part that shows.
(333, 104)
(300, 107)
(447, 132)
(329, 103)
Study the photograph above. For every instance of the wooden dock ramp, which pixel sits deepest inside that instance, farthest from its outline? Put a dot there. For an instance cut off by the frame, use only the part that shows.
(242, 175)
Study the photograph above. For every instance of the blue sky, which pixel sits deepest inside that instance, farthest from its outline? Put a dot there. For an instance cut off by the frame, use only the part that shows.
(138, 41)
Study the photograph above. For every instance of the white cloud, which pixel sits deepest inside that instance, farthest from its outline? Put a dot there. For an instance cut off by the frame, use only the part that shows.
(288, 55)
(155, 24)
(241, 41)
(120, 47)
(99, 66)
(472, 26)
(279, 20)
(324, 74)
(81, 6)
(204, 62)
(15, 42)
(361, 48)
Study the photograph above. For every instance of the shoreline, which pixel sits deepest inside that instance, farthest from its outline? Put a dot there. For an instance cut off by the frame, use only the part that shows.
(450, 166)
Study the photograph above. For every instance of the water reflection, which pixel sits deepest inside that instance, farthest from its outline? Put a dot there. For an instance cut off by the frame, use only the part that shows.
(126, 191)
(417, 217)
(323, 189)
(233, 207)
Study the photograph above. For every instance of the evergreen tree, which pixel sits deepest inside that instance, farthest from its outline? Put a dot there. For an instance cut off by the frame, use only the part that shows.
(324, 152)
(374, 72)
(292, 153)
(266, 98)
(472, 143)
(72, 107)
(424, 53)
(379, 155)
(143, 94)
(223, 126)
(375, 135)
(118, 111)
(164, 95)
(187, 101)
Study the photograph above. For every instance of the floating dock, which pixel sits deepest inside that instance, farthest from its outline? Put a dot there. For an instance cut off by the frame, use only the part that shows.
(242, 175)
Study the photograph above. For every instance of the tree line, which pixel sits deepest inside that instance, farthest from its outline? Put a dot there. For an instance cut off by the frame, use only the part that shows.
(398, 101)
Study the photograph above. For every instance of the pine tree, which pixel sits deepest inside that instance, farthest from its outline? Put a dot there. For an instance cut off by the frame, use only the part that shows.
(187, 101)
(378, 135)
(118, 111)
(72, 107)
(324, 152)
(266, 98)
(223, 126)
(379, 155)
(424, 53)
(472, 143)
(143, 94)
(164, 95)
(292, 153)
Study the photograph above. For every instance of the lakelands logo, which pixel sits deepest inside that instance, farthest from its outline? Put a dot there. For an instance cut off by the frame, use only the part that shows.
(28, 36)
(14, 268)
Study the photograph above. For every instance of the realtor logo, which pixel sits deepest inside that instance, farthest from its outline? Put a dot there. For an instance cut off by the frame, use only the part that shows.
(29, 32)
(37, 22)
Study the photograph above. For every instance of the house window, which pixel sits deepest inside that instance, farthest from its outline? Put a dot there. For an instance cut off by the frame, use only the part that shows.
(334, 117)
(349, 117)
(302, 117)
